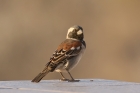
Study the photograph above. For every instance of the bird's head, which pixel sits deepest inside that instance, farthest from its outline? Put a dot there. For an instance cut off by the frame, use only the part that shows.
(75, 32)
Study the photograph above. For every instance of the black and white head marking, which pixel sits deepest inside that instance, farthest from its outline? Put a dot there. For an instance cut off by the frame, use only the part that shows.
(75, 32)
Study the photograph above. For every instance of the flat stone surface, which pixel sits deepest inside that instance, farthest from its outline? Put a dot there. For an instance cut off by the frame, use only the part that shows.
(56, 86)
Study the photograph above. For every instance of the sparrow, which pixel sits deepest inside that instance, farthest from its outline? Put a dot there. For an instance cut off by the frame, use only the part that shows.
(66, 56)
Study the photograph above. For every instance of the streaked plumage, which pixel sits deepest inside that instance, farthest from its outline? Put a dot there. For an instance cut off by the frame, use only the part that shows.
(67, 55)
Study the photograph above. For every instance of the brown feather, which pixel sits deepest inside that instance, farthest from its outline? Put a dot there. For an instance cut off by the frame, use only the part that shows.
(42, 74)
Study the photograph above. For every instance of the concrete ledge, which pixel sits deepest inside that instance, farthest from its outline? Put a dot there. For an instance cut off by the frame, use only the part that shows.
(56, 86)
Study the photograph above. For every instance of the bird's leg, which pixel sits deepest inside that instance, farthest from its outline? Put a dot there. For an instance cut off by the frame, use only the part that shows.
(72, 79)
(63, 78)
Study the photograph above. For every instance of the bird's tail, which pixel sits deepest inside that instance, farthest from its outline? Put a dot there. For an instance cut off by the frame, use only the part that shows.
(41, 75)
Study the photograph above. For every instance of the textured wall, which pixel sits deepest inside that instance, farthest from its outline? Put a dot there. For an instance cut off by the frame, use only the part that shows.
(30, 31)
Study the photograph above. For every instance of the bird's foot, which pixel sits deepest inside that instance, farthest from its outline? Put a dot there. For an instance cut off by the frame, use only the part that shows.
(73, 80)
(64, 79)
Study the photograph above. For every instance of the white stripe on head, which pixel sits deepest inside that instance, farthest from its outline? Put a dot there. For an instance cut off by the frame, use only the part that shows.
(79, 32)
(69, 30)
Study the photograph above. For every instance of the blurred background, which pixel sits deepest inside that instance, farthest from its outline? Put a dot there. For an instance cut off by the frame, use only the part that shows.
(31, 30)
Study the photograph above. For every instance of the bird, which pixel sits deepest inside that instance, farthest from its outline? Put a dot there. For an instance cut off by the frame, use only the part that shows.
(66, 56)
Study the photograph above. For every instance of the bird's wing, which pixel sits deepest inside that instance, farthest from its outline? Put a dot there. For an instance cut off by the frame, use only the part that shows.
(66, 50)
